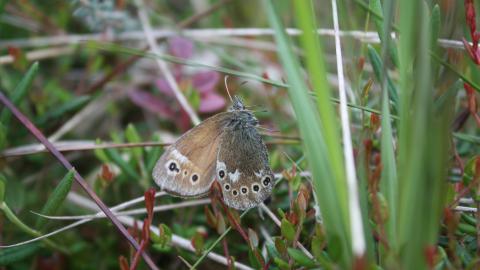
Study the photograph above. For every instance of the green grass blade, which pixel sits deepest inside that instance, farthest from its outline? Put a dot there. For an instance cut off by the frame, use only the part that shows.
(388, 182)
(332, 204)
(315, 62)
(423, 140)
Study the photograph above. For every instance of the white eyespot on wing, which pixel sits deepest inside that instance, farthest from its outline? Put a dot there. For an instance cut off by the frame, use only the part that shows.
(194, 178)
(172, 167)
(234, 176)
(255, 187)
(221, 170)
(178, 156)
(244, 190)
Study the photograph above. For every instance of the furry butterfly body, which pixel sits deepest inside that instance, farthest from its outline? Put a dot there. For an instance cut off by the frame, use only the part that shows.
(226, 147)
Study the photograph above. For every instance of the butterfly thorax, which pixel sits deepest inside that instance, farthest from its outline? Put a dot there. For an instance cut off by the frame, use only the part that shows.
(242, 120)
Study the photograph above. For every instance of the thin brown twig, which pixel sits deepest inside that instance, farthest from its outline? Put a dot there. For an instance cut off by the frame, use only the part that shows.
(78, 178)
(22, 150)
(227, 254)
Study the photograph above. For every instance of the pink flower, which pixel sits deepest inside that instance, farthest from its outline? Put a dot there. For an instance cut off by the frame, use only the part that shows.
(204, 82)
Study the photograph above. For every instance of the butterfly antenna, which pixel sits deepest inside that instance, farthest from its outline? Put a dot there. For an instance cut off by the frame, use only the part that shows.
(226, 87)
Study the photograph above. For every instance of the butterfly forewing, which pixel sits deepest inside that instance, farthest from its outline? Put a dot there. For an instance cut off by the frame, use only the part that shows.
(187, 168)
(242, 168)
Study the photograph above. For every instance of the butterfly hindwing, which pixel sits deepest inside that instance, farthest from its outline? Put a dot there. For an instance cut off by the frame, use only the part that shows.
(242, 168)
(187, 168)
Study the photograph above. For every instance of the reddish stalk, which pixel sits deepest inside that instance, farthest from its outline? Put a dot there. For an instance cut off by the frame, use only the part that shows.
(227, 254)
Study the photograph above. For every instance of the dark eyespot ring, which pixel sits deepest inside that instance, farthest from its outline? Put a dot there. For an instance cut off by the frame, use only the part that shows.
(255, 187)
(244, 190)
(234, 192)
(194, 177)
(226, 187)
(266, 181)
(172, 166)
(221, 174)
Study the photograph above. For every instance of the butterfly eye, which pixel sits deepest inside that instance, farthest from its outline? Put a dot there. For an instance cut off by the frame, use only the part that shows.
(255, 188)
(173, 166)
(221, 174)
(244, 190)
(234, 192)
(266, 181)
(226, 187)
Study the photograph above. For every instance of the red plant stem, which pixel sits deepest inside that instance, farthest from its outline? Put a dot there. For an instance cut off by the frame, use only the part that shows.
(78, 178)
(225, 251)
(235, 223)
(136, 258)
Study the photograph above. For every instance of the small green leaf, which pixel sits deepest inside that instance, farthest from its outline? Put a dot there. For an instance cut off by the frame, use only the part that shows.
(467, 228)
(255, 258)
(377, 66)
(288, 231)
(272, 251)
(469, 171)
(301, 258)
(165, 235)
(220, 224)
(252, 235)
(469, 219)
(133, 137)
(194, 97)
(100, 153)
(153, 154)
(115, 157)
(20, 92)
(198, 242)
(376, 8)
(62, 109)
(57, 197)
(281, 246)
(317, 246)
(281, 263)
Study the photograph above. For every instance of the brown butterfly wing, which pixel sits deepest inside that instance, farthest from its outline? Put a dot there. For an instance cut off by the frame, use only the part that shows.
(187, 168)
(242, 168)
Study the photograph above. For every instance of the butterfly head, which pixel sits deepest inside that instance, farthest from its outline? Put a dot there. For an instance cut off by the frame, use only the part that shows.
(244, 118)
(237, 104)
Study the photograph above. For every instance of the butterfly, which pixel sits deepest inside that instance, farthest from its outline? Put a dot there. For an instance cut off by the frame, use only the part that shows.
(226, 148)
